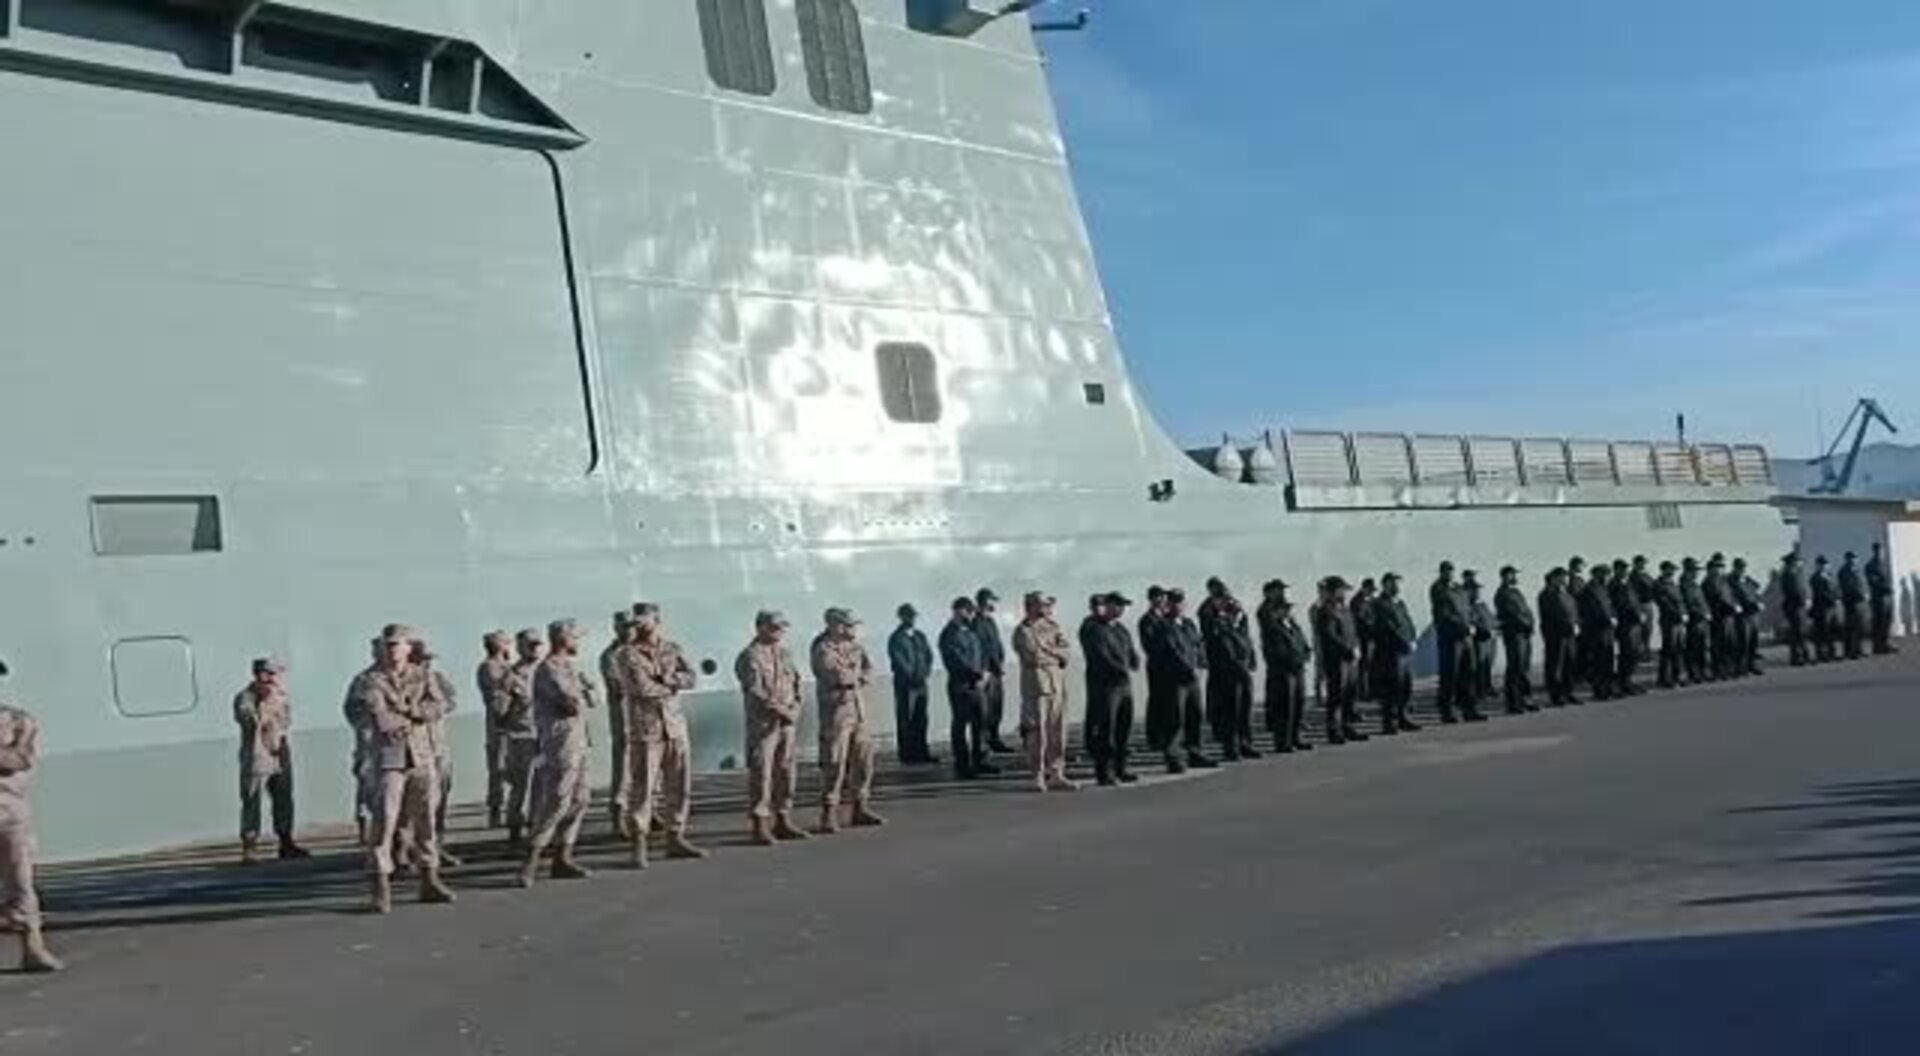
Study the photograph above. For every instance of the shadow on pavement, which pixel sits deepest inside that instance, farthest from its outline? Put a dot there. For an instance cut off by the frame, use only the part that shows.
(1840, 988)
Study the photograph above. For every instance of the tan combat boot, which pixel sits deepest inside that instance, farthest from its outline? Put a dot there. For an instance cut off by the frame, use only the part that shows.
(678, 847)
(864, 817)
(639, 858)
(432, 891)
(249, 853)
(565, 868)
(382, 894)
(829, 822)
(785, 829)
(762, 835)
(35, 958)
(528, 869)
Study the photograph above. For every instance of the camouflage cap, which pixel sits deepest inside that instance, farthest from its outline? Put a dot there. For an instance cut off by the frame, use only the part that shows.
(264, 664)
(398, 632)
(643, 609)
(560, 627)
(423, 652)
(769, 618)
(1038, 597)
(529, 636)
(837, 617)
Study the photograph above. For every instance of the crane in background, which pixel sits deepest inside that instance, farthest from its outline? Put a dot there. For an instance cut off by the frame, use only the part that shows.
(1866, 412)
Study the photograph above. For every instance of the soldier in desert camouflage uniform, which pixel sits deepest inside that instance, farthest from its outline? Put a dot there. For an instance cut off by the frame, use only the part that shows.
(770, 689)
(564, 700)
(620, 766)
(841, 672)
(402, 708)
(265, 718)
(518, 734)
(19, 903)
(653, 672)
(493, 678)
(1043, 650)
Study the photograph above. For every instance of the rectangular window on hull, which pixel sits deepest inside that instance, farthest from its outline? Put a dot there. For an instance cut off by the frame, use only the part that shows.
(739, 52)
(909, 383)
(836, 55)
(155, 525)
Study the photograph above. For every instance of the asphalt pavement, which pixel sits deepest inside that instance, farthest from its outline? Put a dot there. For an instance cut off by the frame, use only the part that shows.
(1729, 868)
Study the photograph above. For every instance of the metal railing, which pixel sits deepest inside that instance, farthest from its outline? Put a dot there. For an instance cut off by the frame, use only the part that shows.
(1322, 458)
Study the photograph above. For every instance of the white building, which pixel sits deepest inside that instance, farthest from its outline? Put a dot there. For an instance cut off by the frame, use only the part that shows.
(1835, 524)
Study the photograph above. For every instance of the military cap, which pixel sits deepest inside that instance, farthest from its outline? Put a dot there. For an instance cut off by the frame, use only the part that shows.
(1038, 597)
(769, 618)
(1688, 562)
(1367, 582)
(906, 609)
(1176, 594)
(1619, 563)
(1391, 577)
(423, 652)
(623, 617)
(1576, 561)
(264, 664)
(398, 632)
(1509, 570)
(1272, 585)
(1215, 584)
(1667, 566)
(1337, 583)
(1851, 556)
(1446, 566)
(1470, 576)
(1792, 558)
(492, 637)
(985, 594)
(1602, 570)
(1639, 559)
(1119, 599)
(1717, 556)
(1156, 591)
(560, 627)
(529, 636)
(1820, 560)
(841, 617)
(961, 603)
(1716, 561)
(642, 609)
(1556, 572)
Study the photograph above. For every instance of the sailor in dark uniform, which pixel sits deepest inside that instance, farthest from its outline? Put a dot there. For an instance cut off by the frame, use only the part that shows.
(1363, 613)
(1853, 606)
(1394, 640)
(1597, 633)
(1480, 618)
(1338, 649)
(1516, 621)
(1793, 608)
(1822, 613)
(1287, 652)
(1559, 619)
(1453, 638)
(1698, 616)
(1720, 611)
(1880, 602)
(1746, 618)
(1626, 630)
(1672, 610)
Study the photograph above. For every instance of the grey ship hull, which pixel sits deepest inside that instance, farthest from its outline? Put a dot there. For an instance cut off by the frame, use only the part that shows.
(479, 368)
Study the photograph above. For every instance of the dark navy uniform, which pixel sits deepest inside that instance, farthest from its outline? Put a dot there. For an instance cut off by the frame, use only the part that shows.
(1231, 662)
(1394, 640)
(1516, 621)
(1698, 616)
(1823, 617)
(1672, 613)
(1337, 644)
(1175, 657)
(1853, 607)
(1793, 609)
(1597, 633)
(1559, 624)
(1879, 602)
(1111, 661)
(1287, 652)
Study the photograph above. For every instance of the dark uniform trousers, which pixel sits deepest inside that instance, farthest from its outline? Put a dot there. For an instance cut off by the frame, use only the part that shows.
(278, 788)
(1821, 629)
(1599, 663)
(1173, 708)
(1626, 658)
(1519, 679)
(1882, 614)
(910, 720)
(1749, 661)
(968, 737)
(1230, 705)
(1286, 706)
(1456, 670)
(1696, 650)
(1723, 663)
(1482, 669)
(1557, 667)
(1393, 687)
(1363, 687)
(1672, 638)
(1109, 722)
(1793, 627)
(1337, 681)
(993, 706)
(1853, 629)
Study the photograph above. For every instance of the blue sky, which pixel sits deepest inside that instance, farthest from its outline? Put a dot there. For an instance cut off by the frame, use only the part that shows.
(1558, 216)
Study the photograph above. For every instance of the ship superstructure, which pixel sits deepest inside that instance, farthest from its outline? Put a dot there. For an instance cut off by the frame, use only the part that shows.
(473, 314)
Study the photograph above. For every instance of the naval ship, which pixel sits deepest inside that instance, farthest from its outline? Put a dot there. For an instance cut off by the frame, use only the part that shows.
(477, 313)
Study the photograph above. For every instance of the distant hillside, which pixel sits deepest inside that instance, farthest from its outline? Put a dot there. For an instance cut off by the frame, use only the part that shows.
(1891, 470)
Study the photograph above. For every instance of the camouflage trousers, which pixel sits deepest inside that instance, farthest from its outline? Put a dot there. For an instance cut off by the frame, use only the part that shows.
(562, 792)
(846, 754)
(405, 798)
(621, 764)
(1043, 725)
(770, 765)
(518, 755)
(662, 772)
(19, 904)
(496, 770)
